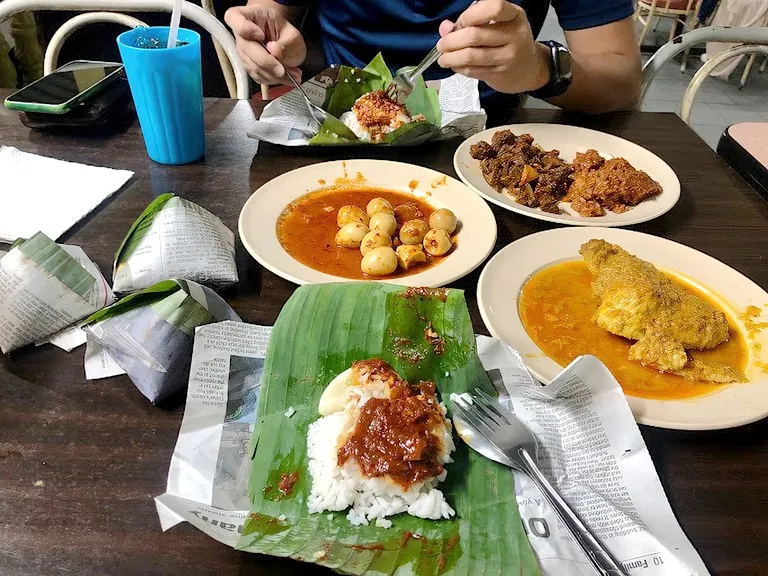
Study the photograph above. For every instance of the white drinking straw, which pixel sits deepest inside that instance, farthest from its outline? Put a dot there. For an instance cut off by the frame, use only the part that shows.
(175, 20)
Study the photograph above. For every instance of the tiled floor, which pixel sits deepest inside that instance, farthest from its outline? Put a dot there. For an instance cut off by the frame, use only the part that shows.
(718, 104)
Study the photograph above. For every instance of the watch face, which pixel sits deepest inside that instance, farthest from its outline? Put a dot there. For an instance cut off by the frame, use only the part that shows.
(564, 62)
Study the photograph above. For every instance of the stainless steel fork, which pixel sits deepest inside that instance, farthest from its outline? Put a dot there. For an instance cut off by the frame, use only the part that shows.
(318, 114)
(403, 83)
(493, 431)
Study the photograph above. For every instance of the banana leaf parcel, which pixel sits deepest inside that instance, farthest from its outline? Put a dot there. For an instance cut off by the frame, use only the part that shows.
(321, 330)
(175, 238)
(45, 287)
(352, 83)
(451, 111)
(150, 333)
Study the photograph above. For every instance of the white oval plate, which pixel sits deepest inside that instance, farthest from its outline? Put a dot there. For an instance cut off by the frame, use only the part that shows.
(569, 140)
(506, 273)
(258, 219)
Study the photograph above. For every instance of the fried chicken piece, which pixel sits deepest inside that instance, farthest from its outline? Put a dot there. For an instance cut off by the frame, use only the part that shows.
(482, 150)
(619, 208)
(615, 182)
(640, 303)
(714, 372)
(589, 160)
(587, 208)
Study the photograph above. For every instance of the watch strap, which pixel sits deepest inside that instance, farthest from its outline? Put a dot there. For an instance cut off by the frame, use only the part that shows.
(559, 81)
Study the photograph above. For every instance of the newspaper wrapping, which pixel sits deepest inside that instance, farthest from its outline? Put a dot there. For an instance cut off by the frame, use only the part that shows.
(286, 120)
(44, 288)
(590, 449)
(150, 333)
(175, 238)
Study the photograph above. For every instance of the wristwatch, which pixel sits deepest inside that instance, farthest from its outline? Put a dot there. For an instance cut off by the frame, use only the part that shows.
(560, 72)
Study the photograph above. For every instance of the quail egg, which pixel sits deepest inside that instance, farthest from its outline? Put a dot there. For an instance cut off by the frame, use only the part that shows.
(350, 213)
(379, 205)
(374, 239)
(412, 231)
(351, 235)
(410, 255)
(407, 211)
(443, 218)
(437, 242)
(379, 261)
(383, 222)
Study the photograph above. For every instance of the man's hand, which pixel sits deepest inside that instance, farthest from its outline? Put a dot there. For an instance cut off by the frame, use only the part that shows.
(254, 24)
(492, 41)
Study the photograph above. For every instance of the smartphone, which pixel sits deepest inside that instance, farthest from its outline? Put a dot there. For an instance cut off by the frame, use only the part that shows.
(65, 87)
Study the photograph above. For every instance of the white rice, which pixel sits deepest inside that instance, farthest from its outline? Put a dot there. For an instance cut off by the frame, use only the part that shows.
(349, 119)
(337, 488)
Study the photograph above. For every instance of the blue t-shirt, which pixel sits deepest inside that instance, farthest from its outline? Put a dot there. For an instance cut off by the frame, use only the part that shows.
(352, 32)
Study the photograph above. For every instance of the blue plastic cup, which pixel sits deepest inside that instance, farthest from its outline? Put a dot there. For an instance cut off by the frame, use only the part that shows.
(167, 88)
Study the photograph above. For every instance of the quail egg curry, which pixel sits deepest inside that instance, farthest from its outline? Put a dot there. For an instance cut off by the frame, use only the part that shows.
(366, 233)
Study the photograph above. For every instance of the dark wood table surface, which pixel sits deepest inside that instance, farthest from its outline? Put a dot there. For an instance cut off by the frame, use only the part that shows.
(81, 461)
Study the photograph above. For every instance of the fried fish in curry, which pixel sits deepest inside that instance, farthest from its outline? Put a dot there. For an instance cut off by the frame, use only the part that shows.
(638, 302)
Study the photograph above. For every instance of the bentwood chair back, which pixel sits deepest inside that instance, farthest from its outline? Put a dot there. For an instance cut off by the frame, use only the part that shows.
(233, 69)
(748, 40)
(684, 12)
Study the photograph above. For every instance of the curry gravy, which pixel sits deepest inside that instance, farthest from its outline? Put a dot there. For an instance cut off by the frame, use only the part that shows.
(556, 307)
(307, 230)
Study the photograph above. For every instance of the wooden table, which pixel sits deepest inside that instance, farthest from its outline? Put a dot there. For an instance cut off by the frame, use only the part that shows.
(102, 451)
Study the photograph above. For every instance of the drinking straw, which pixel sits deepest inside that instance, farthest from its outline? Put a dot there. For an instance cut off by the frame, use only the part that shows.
(175, 20)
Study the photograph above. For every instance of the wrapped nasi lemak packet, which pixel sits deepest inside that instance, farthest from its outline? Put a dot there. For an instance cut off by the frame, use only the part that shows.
(45, 287)
(175, 238)
(150, 333)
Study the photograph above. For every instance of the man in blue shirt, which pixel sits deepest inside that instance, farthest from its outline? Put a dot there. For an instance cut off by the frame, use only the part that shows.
(491, 40)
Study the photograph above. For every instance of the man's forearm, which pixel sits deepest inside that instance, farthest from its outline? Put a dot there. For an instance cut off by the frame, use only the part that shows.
(601, 83)
(293, 14)
(606, 67)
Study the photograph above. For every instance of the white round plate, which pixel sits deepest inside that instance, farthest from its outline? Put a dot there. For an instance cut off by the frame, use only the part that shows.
(506, 273)
(477, 236)
(569, 140)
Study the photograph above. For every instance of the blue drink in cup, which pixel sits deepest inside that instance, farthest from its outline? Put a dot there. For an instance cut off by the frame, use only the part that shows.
(167, 88)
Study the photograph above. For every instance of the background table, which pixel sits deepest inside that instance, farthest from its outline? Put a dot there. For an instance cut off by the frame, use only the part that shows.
(80, 461)
(745, 148)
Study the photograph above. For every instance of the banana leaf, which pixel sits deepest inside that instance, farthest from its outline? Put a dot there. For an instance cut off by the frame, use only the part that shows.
(150, 333)
(321, 330)
(140, 227)
(352, 83)
(55, 260)
(189, 243)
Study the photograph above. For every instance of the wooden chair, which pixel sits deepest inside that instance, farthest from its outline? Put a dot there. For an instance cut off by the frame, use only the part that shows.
(233, 69)
(749, 40)
(684, 12)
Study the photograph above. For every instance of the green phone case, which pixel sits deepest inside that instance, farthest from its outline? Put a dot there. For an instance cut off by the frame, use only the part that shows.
(64, 107)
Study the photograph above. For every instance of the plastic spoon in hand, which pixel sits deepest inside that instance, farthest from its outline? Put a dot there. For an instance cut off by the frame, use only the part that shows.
(173, 33)
(318, 114)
